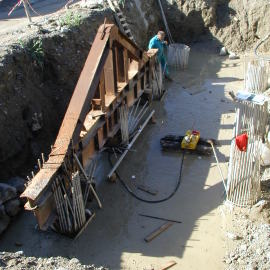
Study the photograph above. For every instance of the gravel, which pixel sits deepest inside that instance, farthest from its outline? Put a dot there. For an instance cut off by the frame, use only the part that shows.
(252, 242)
(19, 261)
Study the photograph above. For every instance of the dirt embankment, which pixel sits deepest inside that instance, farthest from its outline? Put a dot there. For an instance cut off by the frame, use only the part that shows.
(236, 24)
(38, 72)
(38, 78)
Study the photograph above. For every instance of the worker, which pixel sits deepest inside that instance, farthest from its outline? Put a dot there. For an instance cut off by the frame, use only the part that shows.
(158, 42)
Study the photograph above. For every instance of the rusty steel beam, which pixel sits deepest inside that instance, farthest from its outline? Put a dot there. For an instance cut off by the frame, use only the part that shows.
(78, 107)
(114, 66)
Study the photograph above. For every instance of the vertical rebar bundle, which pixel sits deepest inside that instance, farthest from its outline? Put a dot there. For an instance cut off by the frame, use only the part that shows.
(243, 186)
(256, 78)
(70, 206)
(252, 119)
(178, 55)
(123, 111)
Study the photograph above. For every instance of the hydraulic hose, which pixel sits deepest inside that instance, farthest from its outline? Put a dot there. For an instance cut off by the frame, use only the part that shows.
(133, 194)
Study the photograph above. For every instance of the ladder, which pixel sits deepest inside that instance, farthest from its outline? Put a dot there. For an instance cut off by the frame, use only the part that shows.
(120, 19)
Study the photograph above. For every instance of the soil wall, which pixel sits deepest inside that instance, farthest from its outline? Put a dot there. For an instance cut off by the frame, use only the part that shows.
(34, 95)
(36, 84)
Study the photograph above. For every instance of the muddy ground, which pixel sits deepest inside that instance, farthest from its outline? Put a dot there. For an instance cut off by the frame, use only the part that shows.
(40, 85)
(198, 98)
(119, 244)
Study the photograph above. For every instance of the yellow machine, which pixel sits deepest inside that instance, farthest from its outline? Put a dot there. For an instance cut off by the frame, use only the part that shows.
(190, 140)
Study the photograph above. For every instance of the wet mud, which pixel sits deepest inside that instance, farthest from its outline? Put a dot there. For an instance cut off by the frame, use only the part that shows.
(197, 99)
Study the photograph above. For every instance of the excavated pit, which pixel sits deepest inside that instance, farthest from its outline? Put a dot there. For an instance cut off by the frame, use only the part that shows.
(34, 97)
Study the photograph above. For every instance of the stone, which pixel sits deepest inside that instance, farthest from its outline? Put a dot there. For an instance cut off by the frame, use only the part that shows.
(19, 253)
(13, 207)
(18, 183)
(7, 192)
(223, 51)
(74, 261)
(232, 236)
(233, 56)
(37, 120)
(4, 219)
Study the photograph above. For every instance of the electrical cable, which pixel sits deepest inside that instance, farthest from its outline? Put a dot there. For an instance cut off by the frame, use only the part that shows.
(145, 200)
(258, 45)
(31, 7)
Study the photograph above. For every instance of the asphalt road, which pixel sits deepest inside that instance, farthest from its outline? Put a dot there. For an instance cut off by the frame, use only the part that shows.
(18, 17)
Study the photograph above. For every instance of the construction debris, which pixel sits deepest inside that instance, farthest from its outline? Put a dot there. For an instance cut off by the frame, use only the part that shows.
(158, 231)
(168, 265)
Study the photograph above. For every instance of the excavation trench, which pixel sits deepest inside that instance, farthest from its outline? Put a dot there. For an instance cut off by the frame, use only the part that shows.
(119, 243)
(34, 99)
(35, 89)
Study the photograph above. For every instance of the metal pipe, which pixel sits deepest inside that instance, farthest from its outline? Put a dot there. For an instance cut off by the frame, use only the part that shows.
(130, 145)
(39, 164)
(139, 114)
(220, 171)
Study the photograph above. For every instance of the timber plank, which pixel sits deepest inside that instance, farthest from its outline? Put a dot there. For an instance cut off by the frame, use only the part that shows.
(158, 231)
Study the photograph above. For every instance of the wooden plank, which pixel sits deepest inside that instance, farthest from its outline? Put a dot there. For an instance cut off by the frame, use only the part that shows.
(158, 231)
(168, 265)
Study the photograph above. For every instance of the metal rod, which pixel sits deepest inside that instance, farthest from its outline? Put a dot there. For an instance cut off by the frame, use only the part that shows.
(39, 164)
(76, 196)
(220, 171)
(159, 218)
(57, 206)
(68, 199)
(132, 119)
(91, 187)
(91, 177)
(130, 145)
(137, 117)
(27, 10)
(75, 209)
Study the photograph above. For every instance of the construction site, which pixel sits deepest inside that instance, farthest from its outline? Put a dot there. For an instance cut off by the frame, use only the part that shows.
(134, 134)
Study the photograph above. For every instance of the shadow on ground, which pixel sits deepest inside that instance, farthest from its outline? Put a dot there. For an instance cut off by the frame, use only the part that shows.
(115, 237)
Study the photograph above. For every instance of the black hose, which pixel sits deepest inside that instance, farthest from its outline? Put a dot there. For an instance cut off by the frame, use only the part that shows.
(150, 201)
